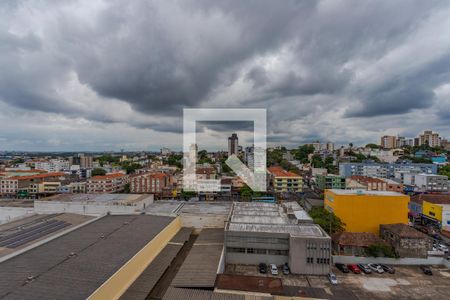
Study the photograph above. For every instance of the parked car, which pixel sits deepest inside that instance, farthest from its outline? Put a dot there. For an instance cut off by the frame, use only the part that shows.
(273, 269)
(332, 278)
(262, 268)
(442, 248)
(388, 269)
(354, 268)
(343, 268)
(376, 268)
(365, 268)
(426, 270)
(286, 269)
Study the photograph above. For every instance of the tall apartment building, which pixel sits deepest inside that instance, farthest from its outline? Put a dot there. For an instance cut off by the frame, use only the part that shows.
(284, 181)
(386, 170)
(430, 138)
(388, 142)
(109, 183)
(233, 144)
(153, 183)
(85, 162)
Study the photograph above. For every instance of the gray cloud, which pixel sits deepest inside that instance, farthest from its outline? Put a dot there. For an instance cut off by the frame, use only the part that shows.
(140, 62)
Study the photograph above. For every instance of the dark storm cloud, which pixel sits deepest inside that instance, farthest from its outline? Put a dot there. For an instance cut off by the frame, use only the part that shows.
(162, 56)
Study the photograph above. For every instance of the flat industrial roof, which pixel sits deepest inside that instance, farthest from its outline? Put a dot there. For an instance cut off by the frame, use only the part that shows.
(100, 249)
(364, 192)
(199, 270)
(98, 198)
(296, 230)
(174, 207)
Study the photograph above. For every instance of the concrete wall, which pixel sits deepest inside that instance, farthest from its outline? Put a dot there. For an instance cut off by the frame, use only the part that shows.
(203, 221)
(8, 214)
(390, 261)
(299, 252)
(255, 259)
(93, 209)
(116, 285)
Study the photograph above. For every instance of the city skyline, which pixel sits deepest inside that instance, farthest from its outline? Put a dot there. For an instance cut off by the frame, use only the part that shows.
(79, 76)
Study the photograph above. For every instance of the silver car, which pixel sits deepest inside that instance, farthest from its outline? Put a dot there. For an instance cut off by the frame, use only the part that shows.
(332, 278)
(376, 268)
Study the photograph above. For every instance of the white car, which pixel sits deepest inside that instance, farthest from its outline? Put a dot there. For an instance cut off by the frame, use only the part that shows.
(332, 278)
(376, 268)
(442, 248)
(273, 269)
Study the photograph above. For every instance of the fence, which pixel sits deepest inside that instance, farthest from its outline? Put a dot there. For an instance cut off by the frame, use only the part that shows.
(432, 260)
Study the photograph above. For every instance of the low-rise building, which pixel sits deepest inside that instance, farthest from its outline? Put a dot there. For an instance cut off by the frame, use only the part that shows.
(263, 232)
(354, 243)
(364, 211)
(407, 241)
(110, 183)
(284, 181)
(153, 183)
(383, 170)
(330, 182)
(431, 183)
(431, 209)
(373, 184)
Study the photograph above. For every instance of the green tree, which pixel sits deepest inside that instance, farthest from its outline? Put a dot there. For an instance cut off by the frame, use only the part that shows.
(175, 160)
(317, 161)
(98, 172)
(327, 220)
(186, 195)
(302, 152)
(372, 146)
(126, 188)
(444, 170)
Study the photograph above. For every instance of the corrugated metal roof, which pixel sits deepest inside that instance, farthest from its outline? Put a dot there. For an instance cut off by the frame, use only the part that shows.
(195, 294)
(143, 285)
(101, 248)
(200, 266)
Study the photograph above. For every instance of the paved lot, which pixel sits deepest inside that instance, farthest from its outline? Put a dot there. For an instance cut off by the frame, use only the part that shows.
(407, 283)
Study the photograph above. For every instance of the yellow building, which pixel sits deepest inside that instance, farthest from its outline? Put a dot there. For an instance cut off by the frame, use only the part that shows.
(284, 181)
(364, 211)
(432, 210)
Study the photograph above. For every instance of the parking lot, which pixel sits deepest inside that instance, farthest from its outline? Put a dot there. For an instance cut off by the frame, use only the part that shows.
(408, 282)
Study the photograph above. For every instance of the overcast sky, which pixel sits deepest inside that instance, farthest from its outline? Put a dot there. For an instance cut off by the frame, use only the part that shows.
(107, 75)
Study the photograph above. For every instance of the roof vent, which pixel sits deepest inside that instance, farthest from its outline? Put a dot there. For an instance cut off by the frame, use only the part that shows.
(30, 278)
(72, 254)
(126, 223)
(102, 236)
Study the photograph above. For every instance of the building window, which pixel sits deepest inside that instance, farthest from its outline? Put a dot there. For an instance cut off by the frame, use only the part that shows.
(250, 250)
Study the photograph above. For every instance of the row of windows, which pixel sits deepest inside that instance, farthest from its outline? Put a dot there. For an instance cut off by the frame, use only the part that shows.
(258, 251)
(310, 260)
(233, 239)
(314, 246)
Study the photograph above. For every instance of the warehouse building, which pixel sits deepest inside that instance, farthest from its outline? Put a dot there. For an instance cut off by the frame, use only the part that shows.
(364, 211)
(98, 260)
(270, 233)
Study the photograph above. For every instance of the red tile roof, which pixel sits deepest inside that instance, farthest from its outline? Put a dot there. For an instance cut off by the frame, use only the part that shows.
(37, 176)
(432, 198)
(404, 230)
(108, 176)
(280, 172)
